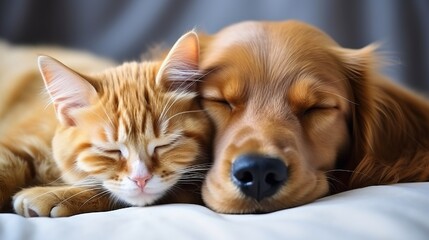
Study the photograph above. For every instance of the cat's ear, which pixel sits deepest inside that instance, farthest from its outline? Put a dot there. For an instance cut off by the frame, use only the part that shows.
(179, 71)
(68, 90)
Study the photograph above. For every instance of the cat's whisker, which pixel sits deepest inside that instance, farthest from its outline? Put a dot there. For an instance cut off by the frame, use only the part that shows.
(115, 202)
(186, 170)
(53, 191)
(185, 112)
(201, 165)
(198, 168)
(209, 72)
(178, 188)
(108, 117)
(195, 78)
(185, 178)
(196, 172)
(99, 185)
(169, 104)
(59, 180)
(191, 180)
(174, 188)
(84, 190)
(194, 168)
(191, 76)
(56, 181)
(192, 173)
(96, 196)
(41, 195)
(178, 93)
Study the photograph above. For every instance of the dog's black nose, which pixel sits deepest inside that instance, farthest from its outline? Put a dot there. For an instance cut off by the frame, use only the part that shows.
(258, 176)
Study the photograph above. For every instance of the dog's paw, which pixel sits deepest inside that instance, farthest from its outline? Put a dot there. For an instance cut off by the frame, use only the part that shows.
(56, 201)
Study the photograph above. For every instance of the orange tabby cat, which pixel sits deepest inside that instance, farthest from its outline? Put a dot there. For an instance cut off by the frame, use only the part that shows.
(129, 135)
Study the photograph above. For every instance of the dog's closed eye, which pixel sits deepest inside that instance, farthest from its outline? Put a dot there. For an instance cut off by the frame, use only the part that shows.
(219, 102)
(318, 108)
(216, 99)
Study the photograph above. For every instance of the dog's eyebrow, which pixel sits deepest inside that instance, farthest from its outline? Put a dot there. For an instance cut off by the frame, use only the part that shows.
(310, 88)
(211, 92)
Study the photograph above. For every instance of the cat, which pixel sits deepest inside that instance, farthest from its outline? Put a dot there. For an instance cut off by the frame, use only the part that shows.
(129, 135)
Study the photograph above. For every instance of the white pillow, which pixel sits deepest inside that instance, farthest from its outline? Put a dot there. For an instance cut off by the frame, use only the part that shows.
(399, 211)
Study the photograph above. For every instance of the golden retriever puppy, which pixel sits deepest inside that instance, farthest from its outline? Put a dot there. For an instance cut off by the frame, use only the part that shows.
(293, 110)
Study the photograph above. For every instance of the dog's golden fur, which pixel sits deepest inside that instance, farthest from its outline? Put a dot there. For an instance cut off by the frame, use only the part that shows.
(287, 90)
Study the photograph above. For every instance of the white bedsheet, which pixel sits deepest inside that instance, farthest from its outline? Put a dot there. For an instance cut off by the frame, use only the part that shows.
(398, 211)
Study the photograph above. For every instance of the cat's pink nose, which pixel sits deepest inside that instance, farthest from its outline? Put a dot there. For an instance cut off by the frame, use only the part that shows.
(141, 181)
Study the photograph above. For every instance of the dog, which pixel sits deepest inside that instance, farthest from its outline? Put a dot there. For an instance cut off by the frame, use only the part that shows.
(298, 117)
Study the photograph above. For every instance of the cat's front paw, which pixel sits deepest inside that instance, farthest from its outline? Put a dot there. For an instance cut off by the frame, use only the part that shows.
(56, 202)
(37, 202)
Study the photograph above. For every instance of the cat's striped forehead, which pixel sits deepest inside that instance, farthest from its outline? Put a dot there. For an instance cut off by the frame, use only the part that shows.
(134, 103)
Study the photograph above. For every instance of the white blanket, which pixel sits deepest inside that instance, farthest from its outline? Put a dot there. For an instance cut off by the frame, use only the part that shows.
(398, 211)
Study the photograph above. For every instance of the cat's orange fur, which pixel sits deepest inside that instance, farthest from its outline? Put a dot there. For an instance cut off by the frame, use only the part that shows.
(129, 134)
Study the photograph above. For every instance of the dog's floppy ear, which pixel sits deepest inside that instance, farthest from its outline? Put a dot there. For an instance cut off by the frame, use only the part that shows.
(358, 60)
(387, 123)
(359, 67)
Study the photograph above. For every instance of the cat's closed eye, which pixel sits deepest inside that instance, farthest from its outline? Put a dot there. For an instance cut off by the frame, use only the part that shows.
(158, 145)
(109, 151)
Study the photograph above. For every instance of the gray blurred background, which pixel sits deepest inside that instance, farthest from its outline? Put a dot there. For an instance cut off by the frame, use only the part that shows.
(123, 30)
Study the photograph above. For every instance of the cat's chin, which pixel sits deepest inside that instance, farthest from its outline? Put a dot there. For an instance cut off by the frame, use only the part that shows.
(138, 198)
